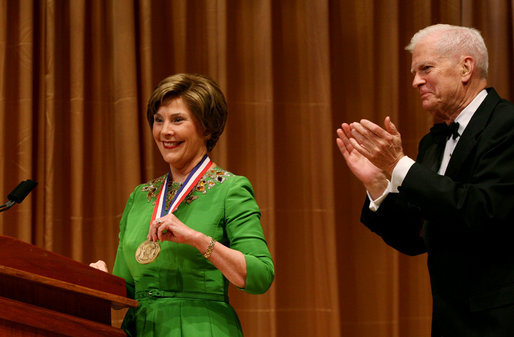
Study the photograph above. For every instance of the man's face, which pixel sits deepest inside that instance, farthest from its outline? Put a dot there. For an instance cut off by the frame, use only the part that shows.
(437, 78)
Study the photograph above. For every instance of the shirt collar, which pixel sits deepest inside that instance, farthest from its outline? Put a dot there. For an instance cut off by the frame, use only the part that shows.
(465, 116)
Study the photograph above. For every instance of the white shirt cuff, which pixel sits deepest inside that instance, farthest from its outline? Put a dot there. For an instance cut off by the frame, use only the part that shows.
(400, 172)
(375, 204)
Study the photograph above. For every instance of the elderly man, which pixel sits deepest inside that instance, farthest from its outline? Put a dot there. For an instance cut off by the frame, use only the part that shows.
(456, 201)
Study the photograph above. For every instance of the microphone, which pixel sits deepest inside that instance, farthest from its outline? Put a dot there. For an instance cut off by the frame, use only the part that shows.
(22, 190)
(19, 193)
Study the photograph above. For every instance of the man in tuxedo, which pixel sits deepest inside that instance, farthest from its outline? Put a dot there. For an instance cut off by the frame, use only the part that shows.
(456, 201)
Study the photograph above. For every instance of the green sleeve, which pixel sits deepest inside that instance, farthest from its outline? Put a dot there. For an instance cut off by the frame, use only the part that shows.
(245, 234)
(120, 267)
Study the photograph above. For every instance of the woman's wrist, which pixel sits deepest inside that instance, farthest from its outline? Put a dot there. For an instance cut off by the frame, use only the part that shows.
(210, 248)
(201, 242)
(205, 244)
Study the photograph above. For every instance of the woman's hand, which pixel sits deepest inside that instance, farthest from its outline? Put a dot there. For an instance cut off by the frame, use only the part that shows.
(170, 228)
(100, 265)
(230, 262)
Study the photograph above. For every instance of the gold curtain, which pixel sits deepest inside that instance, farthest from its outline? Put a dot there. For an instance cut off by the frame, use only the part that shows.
(74, 79)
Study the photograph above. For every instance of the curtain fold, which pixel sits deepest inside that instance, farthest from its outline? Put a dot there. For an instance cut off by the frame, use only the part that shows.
(74, 80)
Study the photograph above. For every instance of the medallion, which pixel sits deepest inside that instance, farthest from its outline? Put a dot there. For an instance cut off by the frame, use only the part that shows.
(147, 252)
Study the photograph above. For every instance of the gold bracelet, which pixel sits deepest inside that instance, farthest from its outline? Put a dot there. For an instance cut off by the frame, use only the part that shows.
(210, 248)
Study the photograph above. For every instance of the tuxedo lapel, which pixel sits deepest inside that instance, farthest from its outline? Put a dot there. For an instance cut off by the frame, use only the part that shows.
(469, 137)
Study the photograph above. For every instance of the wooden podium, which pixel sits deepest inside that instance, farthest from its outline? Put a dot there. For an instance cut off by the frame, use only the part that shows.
(46, 294)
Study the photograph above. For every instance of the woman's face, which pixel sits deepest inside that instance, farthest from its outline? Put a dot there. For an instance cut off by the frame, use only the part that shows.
(178, 136)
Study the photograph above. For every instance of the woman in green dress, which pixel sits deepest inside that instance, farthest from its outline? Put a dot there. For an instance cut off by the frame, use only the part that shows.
(186, 235)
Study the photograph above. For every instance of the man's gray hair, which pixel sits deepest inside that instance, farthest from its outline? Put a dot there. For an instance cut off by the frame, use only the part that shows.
(456, 41)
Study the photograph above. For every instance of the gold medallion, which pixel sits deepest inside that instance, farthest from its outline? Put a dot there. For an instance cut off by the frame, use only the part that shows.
(147, 252)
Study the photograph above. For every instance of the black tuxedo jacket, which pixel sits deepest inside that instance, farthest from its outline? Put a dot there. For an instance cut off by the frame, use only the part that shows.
(464, 221)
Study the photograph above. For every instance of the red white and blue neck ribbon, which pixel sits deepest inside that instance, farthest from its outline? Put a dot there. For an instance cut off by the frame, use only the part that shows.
(192, 179)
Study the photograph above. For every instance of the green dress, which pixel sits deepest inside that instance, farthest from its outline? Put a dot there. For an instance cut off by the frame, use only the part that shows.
(181, 293)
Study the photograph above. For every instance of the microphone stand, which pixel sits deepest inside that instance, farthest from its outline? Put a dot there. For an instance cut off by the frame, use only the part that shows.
(7, 205)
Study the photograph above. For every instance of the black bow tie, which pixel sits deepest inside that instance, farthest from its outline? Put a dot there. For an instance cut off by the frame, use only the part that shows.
(443, 131)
